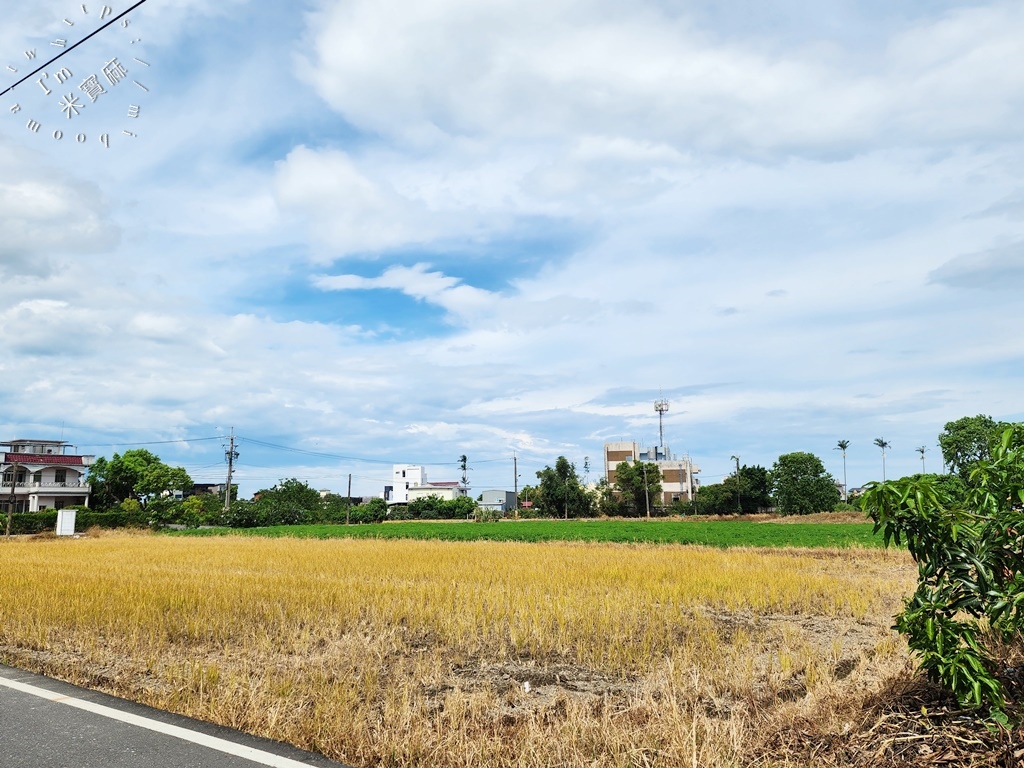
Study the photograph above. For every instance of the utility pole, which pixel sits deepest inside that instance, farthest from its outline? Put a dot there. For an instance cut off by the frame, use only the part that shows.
(231, 455)
(348, 498)
(739, 502)
(10, 504)
(515, 480)
(647, 491)
(681, 478)
(13, 486)
(567, 497)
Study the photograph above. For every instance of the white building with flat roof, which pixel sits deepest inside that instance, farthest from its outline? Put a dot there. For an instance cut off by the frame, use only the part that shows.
(404, 477)
(446, 491)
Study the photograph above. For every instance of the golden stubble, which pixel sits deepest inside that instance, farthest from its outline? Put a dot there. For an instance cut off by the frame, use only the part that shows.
(469, 653)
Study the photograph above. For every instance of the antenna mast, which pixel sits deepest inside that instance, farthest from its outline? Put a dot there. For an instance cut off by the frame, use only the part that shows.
(661, 406)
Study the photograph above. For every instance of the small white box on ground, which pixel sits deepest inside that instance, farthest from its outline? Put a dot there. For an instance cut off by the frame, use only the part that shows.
(65, 522)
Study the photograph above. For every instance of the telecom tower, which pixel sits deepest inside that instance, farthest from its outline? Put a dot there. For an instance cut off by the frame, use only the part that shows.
(661, 406)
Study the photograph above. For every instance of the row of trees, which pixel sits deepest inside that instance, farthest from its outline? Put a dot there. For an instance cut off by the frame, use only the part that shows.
(797, 484)
(963, 443)
(145, 491)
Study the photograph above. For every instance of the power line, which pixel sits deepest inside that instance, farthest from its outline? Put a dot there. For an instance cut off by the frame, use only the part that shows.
(362, 459)
(150, 442)
(69, 50)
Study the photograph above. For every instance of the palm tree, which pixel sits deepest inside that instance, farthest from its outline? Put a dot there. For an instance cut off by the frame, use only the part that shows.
(922, 449)
(882, 443)
(842, 445)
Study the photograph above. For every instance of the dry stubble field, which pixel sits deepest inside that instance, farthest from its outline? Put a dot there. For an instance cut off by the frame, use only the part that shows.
(475, 653)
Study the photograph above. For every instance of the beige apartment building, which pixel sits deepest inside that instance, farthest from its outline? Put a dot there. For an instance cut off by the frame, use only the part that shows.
(677, 472)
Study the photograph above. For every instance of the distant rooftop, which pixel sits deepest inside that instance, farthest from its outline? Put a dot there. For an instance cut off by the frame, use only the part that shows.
(34, 442)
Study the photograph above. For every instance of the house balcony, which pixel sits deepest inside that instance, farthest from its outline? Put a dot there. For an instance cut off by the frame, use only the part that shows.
(48, 486)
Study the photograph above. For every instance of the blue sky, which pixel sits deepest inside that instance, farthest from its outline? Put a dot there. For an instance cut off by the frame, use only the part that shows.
(394, 231)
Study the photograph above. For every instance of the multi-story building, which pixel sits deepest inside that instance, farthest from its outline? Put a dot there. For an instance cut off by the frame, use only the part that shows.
(678, 479)
(43, 475)
(404, 477)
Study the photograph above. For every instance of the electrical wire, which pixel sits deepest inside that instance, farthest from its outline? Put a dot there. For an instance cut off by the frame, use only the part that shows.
(151, 442)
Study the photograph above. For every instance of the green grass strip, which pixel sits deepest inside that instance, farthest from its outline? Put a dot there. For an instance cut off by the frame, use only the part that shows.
(715, 533)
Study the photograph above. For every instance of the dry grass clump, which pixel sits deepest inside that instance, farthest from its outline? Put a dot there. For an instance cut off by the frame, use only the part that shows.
(472, 654)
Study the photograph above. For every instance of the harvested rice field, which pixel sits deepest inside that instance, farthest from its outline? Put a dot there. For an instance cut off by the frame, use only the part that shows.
(485, 653)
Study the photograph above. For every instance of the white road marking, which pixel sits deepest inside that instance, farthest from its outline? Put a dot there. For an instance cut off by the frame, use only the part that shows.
(212, 742)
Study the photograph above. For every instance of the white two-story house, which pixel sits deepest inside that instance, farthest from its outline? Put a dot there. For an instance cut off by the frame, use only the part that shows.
(42, 475)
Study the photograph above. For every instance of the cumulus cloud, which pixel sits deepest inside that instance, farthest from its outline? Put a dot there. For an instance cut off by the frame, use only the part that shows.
(44, 213)
(345, 208)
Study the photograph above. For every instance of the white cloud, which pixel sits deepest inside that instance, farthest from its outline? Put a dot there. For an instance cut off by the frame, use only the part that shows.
(424, 70)
(44, 213)
(418, 282)
(346, 209)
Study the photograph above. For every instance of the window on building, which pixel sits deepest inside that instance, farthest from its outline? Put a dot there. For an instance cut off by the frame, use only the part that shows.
(9, 476)
(60, 476)
(37, 478)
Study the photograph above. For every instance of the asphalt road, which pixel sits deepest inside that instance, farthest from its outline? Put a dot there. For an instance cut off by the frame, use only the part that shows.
(45, 723)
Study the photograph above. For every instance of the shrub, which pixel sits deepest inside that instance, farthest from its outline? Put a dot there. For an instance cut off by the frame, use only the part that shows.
(399, 512)
(968, 548)
(486, 515)
(374, 511)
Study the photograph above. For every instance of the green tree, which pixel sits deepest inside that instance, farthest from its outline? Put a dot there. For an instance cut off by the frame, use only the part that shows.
(606, 501)
(755, 489)
(966, 441)
(427, 508)
(290, 502)
(755, 486)
(802, 486)
(715, 499)
(373, 511)
(336, 508)
(640, 485)
(561, 494)
(137, 474)
(968, 545)
(460, 508)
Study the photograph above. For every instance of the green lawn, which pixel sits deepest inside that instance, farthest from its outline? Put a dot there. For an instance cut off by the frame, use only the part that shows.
(716, 533)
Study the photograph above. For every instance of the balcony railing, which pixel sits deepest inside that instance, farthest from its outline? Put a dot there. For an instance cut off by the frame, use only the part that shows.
(7, 485)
